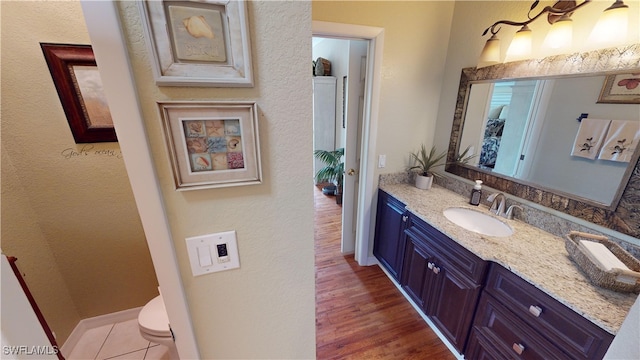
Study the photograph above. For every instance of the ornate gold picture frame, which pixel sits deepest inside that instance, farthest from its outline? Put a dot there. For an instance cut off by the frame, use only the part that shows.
(621, 89)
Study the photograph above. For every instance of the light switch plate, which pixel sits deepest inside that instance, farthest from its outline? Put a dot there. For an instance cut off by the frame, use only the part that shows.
(382, 161)
(207, 252)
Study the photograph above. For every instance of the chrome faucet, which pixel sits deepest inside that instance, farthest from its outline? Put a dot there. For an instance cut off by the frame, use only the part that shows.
(509, 214)
(497, 207)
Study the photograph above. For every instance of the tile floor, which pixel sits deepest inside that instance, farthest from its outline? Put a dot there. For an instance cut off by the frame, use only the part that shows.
(117, 341)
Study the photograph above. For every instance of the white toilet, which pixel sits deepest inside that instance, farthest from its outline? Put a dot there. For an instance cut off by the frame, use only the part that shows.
(153, 323)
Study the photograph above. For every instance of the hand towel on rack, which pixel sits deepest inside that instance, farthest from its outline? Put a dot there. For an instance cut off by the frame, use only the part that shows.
(621, 141)
(590, 137)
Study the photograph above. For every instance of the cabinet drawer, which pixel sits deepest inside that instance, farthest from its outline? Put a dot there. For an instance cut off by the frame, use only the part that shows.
(480, 347)
(465, 261)
(510, 335)
(392, 201)
(577, 336)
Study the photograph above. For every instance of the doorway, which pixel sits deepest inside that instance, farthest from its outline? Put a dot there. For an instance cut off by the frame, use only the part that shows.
(364, 195)
(72, 220)
(338, 114)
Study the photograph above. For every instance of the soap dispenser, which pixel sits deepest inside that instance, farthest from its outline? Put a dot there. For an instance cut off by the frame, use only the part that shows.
(476, 193)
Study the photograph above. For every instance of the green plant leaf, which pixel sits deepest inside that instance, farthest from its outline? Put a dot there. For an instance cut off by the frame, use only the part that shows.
(334, 168)
(462, 158)
(425, 162)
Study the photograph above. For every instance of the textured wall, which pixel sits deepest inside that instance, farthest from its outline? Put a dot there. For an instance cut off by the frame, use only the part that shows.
(35, 258)
(70, 220)
(264, 309)
(415, 38)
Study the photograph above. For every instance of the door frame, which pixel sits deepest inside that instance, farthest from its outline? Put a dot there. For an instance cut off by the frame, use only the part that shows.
(367, 191)
(110, 51)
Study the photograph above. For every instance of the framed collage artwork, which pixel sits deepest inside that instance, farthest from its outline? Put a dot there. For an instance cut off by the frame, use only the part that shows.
(198, 43)
(212, 144)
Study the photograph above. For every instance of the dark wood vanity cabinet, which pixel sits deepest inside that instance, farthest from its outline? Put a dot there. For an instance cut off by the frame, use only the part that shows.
(443, 278)
(417, 275)
(389, 241)
(483, 309)
(515, 319)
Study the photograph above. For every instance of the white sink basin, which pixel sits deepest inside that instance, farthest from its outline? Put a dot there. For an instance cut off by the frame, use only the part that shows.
(477, 221)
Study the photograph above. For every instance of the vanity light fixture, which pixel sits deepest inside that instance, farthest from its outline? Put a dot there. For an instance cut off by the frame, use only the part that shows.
(560, 34)
(520, 47)
(490, 53)
(612, 25)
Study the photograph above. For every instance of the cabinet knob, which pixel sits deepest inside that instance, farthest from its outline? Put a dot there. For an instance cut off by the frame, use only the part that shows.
(351, 172)
(518, 348)
(433, 267)
(535, 310)
(405, 218)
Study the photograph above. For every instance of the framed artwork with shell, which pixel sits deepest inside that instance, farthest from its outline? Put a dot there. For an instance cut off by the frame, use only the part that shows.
(212, 144)
(198, 43)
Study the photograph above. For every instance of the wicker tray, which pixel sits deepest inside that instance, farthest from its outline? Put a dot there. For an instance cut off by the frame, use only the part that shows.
(599, 276)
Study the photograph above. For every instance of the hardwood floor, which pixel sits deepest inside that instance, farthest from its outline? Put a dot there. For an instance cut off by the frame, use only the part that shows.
(360, 314)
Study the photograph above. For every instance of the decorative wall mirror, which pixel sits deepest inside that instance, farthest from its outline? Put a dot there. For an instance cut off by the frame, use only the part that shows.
(556, 92)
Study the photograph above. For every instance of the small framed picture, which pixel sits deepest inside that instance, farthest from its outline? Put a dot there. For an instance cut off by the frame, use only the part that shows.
(212, 144)
(621, 89)
(79, 86)
(198, 43)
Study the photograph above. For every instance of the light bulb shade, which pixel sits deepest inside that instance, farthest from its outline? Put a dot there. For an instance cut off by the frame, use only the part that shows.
(490, 53)
(611, 27)
(560, 35)
(520, 47)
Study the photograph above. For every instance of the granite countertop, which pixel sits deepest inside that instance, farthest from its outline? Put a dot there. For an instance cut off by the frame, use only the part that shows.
(537, 256)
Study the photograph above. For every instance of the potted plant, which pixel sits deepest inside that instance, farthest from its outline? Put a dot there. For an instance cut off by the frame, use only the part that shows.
(424, 163)
(333, 171)
(463, 158)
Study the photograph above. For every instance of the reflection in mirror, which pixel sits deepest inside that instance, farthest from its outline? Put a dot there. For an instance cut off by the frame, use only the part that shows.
(620, 213)
(525, 129)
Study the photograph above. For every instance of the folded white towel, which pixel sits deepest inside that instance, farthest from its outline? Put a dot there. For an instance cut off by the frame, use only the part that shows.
(590, 138)
(631, 280)
(602, 256)
(621, 141)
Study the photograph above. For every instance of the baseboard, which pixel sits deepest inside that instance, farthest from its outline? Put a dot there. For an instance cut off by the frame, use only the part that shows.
(372, 260)
(94, 322)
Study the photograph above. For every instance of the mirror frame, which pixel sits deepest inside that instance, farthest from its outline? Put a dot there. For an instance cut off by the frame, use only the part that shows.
(617, 216)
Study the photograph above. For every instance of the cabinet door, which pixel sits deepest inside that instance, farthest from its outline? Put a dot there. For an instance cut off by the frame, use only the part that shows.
(452, 303)
(417, 276)
(388, 246)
